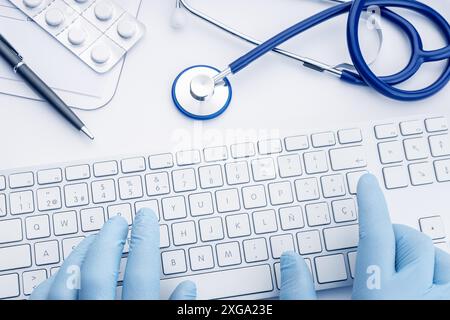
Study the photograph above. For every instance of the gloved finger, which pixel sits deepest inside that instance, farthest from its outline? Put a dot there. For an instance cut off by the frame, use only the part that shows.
(100, 269)
(142, 274)
(441, 266)
(67, 280)
(376, 234)
(296, 279)
(42, 290)
(414, 251)
(187, 290)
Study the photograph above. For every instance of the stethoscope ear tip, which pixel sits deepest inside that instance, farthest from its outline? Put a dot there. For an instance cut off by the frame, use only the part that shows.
(178, 19)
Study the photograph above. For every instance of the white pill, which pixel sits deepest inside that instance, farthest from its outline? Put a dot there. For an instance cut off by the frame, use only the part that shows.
(77, 36)
(81, 1)
(126, 28)
(54, 17)
(100, 54)
(32, 3)
(104, 10)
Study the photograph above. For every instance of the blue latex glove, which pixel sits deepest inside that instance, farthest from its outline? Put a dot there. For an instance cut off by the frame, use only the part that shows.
(98, 257)
(393, 262)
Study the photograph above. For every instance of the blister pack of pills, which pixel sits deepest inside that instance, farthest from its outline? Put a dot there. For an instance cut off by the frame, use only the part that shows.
(99, 32)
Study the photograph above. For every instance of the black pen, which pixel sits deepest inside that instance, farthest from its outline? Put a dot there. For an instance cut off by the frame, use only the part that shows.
(11, 55)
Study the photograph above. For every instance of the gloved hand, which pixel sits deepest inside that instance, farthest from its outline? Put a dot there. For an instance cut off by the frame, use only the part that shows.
(393, 262)
(97, 259)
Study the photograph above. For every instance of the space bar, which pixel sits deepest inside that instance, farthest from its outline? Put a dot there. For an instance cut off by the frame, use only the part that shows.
(224, 284)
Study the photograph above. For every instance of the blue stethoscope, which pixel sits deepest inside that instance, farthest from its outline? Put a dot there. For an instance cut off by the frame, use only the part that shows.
(203, 92)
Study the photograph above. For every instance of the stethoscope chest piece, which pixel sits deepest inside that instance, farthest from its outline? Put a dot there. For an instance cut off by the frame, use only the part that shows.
(197, 96)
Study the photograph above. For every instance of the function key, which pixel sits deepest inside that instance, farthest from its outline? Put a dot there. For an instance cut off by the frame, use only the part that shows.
(133, 165)
(21, 180)
(104, 169)
(161, 161)
(436, 124)
(2, 183)
(270, 147)
(296, 143)
(324, 139)
(409, 128)
(78, 172)
(215, 154)
(189, 157)
(386, 131)
(349, 136)
(49, 176)
(243, 150)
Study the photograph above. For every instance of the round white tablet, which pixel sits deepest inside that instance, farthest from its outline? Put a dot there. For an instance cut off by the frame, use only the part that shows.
(104, 10)
(126, 28)
(81, 1)
(77, 36)
(54, 17)
(100, 54)
(32, 3)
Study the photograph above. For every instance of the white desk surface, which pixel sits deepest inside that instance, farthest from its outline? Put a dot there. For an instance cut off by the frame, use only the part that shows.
(273, 94)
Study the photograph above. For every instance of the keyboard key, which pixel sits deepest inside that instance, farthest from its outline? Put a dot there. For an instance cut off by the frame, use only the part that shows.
(123, 210)
(416, 148)
(395, 177)
(344, 210)
(421, 173)
(272, 146)
(21, 202)
(255, 250)
(49, 199)
(442, 168)
(317, 214)
(243, 150)
(78, 172)
(69, 244)
(103, 191)
(316, 162)
(186, 158)
(291, 218)
(49, 176)
(280, 193)
(307, 189)
(2, 205)
(440, 145)
(265, 221)
(201, 258)
(18, 257)
(436, 124)
(174, 208)
(228, 254)
(238, 225)
(254, 197)
(10, 231)
(349, 136)
(324, 139)
(122, 268)
(352, 263)
(210, 177)
(164, 241)
(309, 242)
(277, 269)
(237, 173)
(133, 165)
(348, 158)
(105, 169)
(353, 179)
(332, 186)
(2, 183)
(184, 180)
(37, 227)
(148, 204)
(184, 233)
(386, 131)
(32, 279)
(215, 154)
(92, 219)
(76, 195)
(161, 161)
(411, 127)
(330, 268)
(296, 143)
(233, 283)
(227, 200)
(157, 184)
(290, 166)
(433, 227)
(281, 244)
(46, 252)
(211, 229)
(9, 286)
(341, 237)
(263, 169)
(390, 152)
(130, 188)
(201, 204)
(21, 180)
(65, 223)
(173, 262)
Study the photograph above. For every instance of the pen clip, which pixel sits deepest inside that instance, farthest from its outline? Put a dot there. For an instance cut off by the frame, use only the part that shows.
(9, 45)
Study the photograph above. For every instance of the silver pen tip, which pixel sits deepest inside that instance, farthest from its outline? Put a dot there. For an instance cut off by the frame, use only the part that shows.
(87, 132)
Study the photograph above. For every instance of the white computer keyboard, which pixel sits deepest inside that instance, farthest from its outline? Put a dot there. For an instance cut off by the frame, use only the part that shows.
(227, 213)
